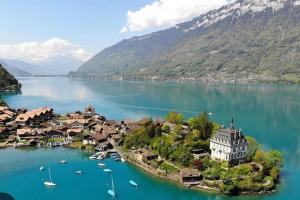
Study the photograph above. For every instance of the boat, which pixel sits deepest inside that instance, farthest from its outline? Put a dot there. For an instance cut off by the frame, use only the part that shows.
(79, 172)
(112, 192)
(133, 183)
(92, 157)
(123, 160)
(100, 157)
(107, 170)
(117, 159)
(49, 183)
(210, 113)
(42, 168)
(101, 164)
(63, 161)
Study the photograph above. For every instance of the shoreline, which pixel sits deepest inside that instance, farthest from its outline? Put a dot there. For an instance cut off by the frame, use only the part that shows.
(199, 188)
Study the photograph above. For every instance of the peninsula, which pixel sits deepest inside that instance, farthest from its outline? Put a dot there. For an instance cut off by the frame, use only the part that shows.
(196, 153)
(8, 83)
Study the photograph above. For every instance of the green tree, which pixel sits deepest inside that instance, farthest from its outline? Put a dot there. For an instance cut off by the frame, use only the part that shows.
(175, 118)
(203, 124)
(253, 146)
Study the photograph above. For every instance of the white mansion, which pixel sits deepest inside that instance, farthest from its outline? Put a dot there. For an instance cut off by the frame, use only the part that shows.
(229, 145)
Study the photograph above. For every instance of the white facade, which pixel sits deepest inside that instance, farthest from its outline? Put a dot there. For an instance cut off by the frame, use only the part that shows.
(229, 145)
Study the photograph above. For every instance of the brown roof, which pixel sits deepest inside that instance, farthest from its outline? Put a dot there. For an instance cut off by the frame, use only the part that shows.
(80, 121)
(32, 114)
(98, 136)
(24, 131)
(74, 131)
(189, 172)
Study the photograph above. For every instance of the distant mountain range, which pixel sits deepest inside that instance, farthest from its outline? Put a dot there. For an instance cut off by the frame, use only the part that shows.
(247, 40)
(57, 65)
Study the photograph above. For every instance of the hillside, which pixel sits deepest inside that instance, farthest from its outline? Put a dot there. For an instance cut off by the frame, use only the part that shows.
(248, 40)
(8, 83)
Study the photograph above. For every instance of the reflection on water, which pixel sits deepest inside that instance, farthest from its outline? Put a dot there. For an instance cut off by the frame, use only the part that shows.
(269, 112)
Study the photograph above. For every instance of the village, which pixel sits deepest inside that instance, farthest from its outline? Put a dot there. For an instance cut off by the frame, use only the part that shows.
(222, 158)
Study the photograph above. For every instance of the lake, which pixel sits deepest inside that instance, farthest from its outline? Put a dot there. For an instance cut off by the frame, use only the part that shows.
(268, 112)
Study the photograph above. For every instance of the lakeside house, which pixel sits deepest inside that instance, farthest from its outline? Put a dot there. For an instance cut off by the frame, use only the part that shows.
(229, 144)
(35, 117)
(189, 176)
(6, 114)
(145, 155)
(94, 138)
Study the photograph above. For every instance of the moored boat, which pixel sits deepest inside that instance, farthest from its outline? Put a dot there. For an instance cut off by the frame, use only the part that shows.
(107, 170)
(49, 183)
(133, 183)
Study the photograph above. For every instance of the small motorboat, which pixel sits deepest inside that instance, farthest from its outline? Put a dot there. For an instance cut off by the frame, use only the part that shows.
(123, 160)
(79, 172)
(92, 157)
(210, 113)
(63, 161)
(42, 168)
(133, 183)
(101, 164)
(100, 157)
(117, 159)
(107, 170)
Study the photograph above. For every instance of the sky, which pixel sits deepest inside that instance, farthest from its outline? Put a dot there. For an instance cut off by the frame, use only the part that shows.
(34, 30)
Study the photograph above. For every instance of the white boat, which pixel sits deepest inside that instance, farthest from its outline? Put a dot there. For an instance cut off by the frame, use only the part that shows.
(79, 172)
(63, 161)
(107, 170)
(101, 164)
(210, 113)
(100, 157)
(49, 183)
(92, 157)
(112, 192)
(133, 183)
(42, 168)
(123, 160)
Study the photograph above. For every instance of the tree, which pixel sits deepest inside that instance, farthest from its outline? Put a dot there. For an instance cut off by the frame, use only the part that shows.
(203, 124)
(274, 159)
(175, 118)
(253, 146)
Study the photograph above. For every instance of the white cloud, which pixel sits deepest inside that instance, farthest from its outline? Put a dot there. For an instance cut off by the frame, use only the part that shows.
(161, 13)
(81, 54)
(37, 51)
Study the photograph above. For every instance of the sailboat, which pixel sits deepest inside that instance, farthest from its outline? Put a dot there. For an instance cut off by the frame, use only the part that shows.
(112, 191)
(49, 183)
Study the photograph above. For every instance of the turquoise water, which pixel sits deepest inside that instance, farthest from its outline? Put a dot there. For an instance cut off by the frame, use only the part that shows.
(269, 112)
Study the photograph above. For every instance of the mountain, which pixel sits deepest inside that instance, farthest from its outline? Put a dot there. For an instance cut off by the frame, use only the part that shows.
(15, 71)
(8, 82)
(61, 65)
(55, 65)
(247, 40)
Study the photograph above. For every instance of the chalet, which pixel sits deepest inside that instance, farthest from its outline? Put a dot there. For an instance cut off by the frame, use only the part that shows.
(77, 123)
(71, 133)
(94, 138)
(27, 134)
(35, 117)
(6, 114)
(189, 176)
(104, 146)
(76, 115)
(229, 145)
(145, 155)
(110, 122)
(108, 131)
